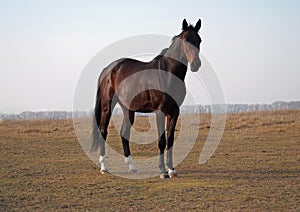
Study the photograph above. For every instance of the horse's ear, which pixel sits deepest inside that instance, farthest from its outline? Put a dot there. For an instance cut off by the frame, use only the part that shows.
(184, 25)
(198, 25)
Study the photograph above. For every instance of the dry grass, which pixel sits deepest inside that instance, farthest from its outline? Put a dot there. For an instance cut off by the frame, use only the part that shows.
(256, 167)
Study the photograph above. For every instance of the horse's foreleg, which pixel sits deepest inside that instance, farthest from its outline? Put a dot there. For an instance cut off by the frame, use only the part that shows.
(160, 120)
(125, 135)
(171, 123)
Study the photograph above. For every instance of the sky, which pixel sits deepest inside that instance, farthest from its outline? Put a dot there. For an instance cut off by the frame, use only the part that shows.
(253, 46)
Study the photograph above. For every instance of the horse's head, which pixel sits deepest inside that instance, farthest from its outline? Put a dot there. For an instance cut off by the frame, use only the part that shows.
(191, 44)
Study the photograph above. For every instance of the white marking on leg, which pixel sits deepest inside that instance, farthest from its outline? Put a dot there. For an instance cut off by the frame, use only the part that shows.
(102, 161)
(164, 175)
(172, 173)
(129, 162)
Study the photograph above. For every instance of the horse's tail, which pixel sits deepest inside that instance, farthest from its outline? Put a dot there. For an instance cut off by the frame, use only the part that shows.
(96, 122)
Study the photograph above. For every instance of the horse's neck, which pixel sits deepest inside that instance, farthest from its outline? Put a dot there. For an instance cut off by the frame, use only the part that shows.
(175, 60)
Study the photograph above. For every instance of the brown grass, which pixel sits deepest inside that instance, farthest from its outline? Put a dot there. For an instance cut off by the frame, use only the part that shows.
(256, 167)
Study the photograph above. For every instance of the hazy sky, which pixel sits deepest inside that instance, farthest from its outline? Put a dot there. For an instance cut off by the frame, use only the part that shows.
(254, 46)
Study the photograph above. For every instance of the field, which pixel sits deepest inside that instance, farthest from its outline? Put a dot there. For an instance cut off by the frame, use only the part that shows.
(256, 167)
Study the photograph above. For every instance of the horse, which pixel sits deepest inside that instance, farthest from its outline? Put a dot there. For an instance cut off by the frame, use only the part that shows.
(114, 87)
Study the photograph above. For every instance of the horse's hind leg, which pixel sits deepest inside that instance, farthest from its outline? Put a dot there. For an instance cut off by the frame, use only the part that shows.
(106, 110)
(125, 135)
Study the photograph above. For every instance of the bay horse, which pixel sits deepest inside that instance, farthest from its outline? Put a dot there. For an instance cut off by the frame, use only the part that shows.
(171, 63)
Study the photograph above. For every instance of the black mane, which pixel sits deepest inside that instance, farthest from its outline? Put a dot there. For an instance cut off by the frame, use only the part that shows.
(162, 53)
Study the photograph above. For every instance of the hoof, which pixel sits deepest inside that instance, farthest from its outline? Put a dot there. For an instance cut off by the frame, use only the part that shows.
(173, 173)
(103, 171)
(133, 171)
(164, 176)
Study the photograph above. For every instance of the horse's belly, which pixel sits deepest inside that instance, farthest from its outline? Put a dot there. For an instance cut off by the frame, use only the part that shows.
(152, 100)
(146, 101)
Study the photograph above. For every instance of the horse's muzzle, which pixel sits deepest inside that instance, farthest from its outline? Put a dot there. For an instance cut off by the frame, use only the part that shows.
(195, 65)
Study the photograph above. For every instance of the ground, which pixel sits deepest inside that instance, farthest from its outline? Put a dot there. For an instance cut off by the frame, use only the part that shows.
(256, 167)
